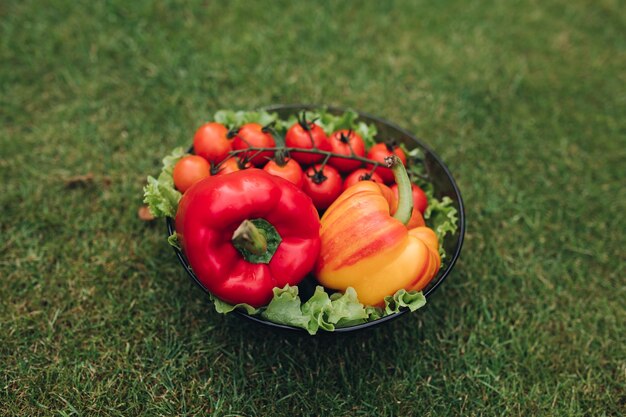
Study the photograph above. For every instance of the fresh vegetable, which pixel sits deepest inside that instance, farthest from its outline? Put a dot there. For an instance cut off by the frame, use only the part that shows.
(361, 174)
(253, 135)
(323, 184)
(379, 152)
(346, 142)
(306, 135)
(442, 217)
(289, 170)
(366, 248)
(234, 119)
(246, 233)
(324, 310)
(189, 170)
(232, 164)
(210, 142)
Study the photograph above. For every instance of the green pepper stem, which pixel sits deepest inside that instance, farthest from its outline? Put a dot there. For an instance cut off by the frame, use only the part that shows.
(405, 191)
(247, 236)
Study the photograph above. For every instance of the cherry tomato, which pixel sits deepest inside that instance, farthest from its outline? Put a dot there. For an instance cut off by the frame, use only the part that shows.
(322, 185)
(346, 142)
(189, 170)
(379, 152)
(361, 174)
(290, 171)
(307, 135)
(420, 201)
(253, 135)
(232, 164)
(211, 142)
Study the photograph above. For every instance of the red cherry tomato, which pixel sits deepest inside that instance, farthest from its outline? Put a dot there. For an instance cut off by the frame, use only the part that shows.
(361, 174)
(211, 143)
(379, 152)
(307, 135)
(189, 170)
(322, 185)
(290, 171)
(420, 201)
(252, 135)
(346, 142)
(232, 165)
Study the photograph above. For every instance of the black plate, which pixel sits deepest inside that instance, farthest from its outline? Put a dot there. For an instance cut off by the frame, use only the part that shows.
(439, 175)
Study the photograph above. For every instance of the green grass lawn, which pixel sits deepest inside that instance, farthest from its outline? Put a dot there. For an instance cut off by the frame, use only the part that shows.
(525, 101)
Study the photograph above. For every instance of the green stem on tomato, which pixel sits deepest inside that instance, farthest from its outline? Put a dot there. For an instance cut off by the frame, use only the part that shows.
(318, 176)
(405, 192)
(372, 170)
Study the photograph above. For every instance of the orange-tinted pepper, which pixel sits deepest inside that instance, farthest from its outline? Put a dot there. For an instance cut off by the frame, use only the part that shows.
(366, 245)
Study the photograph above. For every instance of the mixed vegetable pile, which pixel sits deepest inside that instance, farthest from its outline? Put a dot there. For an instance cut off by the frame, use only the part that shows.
(247, 202)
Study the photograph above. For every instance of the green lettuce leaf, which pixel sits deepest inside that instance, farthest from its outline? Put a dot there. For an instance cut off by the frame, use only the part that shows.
(367, 132)
(404, 299)
(173, 241)
(233, 119)
(374, 313)
(331, 123)
(283, 125)
(316, 309)
(223, 307)
(322, 311)
(285, 308)
(346, 309)
(441, 216)
(159, 194)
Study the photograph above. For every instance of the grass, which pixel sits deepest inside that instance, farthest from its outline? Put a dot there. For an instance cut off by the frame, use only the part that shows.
(525, 101)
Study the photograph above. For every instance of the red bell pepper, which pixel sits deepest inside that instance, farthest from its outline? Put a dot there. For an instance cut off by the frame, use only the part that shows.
(247, 232)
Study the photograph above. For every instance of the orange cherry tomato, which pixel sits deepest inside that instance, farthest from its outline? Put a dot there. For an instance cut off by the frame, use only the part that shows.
(189, 170)
(290, 171)
(232, 164)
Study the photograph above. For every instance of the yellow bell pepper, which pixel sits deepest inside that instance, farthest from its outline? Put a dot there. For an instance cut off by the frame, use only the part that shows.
(366, 245)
